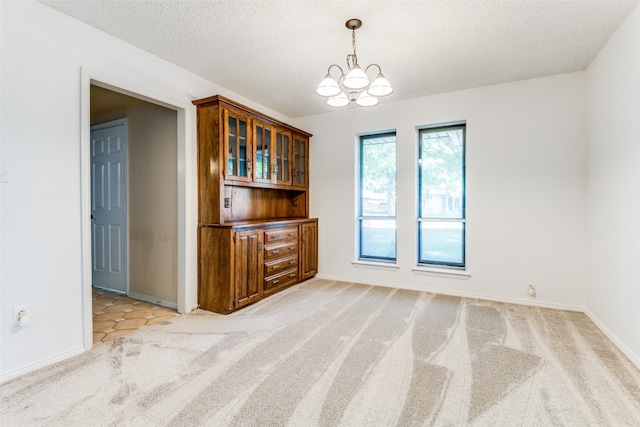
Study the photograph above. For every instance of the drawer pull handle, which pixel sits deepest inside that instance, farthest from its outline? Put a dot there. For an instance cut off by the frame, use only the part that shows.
(274, 266)
(291, 262)
(275, 252)
(275, 281)
(290, 234)
(292, 275)
(292, 248)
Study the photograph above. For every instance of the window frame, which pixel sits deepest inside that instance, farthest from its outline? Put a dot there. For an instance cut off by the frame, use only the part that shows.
(421, 218)
(360, 217)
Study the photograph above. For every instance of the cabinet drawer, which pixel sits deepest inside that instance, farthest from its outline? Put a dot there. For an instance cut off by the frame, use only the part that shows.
(273, 267)
(285, 278)
(280, 250)
(281, 234)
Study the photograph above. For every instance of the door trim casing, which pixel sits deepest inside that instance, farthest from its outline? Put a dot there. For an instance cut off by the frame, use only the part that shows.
(187, 190)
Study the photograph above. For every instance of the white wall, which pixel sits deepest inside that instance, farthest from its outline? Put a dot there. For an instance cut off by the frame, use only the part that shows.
(613, 286)
(153, 196)
(526, 195)
(41, 264)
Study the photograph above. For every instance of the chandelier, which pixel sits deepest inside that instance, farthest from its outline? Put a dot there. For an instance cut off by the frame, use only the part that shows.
(354, 85)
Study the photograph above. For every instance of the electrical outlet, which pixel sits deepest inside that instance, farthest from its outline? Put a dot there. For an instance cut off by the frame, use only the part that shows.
(531, 289)
(21, 315)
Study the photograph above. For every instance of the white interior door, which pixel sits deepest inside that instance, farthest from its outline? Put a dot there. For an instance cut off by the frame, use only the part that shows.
(108, 205)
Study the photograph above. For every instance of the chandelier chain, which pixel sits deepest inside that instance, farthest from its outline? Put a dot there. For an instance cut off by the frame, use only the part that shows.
(353, 42)
(353, 57)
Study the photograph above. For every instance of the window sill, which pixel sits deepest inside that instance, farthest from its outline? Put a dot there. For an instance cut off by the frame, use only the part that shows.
(375, 265)
(442, 272)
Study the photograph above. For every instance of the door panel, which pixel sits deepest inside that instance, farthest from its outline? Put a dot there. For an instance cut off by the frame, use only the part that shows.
(300, 161)
(309, 250)
(238, 147)
(283, 154)
(264, 163)
(248, 267)
(108, 206)
(98, 253)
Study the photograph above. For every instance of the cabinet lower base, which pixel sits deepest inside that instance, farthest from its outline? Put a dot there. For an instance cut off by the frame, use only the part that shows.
(242, 264)
(265, 294)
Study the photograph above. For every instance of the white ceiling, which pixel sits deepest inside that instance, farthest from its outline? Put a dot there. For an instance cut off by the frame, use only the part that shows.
(275, 52)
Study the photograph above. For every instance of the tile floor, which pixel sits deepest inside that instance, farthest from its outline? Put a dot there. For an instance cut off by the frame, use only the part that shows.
(115, 315)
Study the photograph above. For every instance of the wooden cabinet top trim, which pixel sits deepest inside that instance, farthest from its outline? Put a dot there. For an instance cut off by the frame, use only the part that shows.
(219, 99)
(260, 223)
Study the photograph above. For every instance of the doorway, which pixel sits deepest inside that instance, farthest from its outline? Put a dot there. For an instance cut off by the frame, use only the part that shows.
(187, 180)
(148, 204)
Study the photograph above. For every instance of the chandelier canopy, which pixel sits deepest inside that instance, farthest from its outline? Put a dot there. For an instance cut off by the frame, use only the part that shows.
(354, 85)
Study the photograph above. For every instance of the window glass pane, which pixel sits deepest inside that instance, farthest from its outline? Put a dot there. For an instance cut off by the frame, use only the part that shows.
(378, 185)
(378, 239)
(299, 162)
(284, 169)
(442, 243)
(377, 201)
(242, 152)
(260, 158)
(441, 173)
(441, 184)
(231, 167)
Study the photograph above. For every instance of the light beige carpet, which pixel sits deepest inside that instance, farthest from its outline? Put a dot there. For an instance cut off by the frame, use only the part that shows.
(328, 353)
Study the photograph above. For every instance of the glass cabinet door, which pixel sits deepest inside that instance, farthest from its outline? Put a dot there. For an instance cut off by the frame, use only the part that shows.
(282, 162)
(238, 148)
(300, 165)
(262, 139)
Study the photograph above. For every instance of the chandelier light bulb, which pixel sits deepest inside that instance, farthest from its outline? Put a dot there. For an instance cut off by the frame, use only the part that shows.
(340, 100)
(356, 78)
(365, 99)
(380, 86)
(328, 86)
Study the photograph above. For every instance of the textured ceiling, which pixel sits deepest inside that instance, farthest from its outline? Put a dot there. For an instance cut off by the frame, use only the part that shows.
(275, 52)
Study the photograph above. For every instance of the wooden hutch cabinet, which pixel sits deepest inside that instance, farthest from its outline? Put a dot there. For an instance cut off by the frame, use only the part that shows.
(255, 236)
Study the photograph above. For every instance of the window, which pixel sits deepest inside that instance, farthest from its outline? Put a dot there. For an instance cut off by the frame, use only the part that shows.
(377, 197)
(441, 196)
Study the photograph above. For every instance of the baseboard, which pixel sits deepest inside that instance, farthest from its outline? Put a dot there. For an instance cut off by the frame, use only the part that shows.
(458, 294)
(6, 376)
(153, 300)
(616, 341)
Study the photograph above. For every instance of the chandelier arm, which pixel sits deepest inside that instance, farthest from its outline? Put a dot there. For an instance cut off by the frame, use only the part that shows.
(373, 65)
(335, 65)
